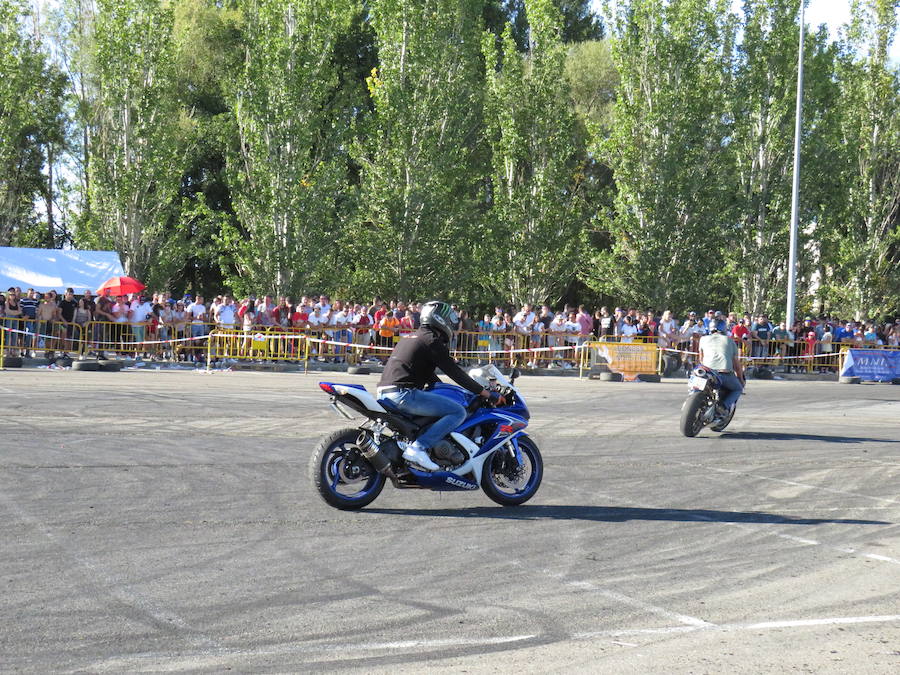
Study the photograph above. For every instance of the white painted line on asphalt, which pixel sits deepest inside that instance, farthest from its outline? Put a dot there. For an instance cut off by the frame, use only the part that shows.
(210, 658)
(735, 627)
(800, 540)
(639, 604)
(799, 623)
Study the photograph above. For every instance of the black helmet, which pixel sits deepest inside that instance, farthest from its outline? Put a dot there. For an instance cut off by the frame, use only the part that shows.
(441, 317)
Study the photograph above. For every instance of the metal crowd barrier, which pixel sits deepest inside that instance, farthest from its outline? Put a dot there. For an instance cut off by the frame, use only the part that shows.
(25, 335)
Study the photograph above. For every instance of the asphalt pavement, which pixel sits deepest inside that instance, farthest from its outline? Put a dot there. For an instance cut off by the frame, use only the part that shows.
(165, 521)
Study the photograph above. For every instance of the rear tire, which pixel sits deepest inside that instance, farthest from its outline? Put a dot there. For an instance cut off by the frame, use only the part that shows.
(338, 464)
(85, 365)
(692, 413)
(610, 377)
(508, 484)
(849, 379)
(110, 365)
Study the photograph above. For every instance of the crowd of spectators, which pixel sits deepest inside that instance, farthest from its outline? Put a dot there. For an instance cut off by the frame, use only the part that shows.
(160, 317)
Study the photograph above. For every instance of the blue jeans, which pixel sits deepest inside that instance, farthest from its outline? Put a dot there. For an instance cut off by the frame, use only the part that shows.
(429, 404)
(731, 387)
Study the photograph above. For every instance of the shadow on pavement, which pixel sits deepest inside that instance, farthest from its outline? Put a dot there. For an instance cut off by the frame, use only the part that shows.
(613, 514)
(788, 436)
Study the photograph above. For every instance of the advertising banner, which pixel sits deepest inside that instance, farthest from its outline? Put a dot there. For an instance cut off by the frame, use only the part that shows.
(628, 358)
(877, 365)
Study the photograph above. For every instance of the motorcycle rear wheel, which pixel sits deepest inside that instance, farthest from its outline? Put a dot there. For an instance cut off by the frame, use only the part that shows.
(692, 413)
(343, 476)
(509, 484)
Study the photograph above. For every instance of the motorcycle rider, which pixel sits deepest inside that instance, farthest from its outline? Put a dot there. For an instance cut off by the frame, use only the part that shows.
(719, 352)
(409, 372)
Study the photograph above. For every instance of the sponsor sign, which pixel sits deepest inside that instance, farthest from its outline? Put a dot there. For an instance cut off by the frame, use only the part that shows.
(877, 365)
(628, 358)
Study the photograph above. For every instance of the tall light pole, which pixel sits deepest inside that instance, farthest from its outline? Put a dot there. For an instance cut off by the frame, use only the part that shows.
(795, 197)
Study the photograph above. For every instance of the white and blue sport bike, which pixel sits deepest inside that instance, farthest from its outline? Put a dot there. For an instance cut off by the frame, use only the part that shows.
(490, 449)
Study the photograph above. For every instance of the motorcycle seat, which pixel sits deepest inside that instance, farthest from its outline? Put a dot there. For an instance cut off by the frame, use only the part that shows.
(418, 420)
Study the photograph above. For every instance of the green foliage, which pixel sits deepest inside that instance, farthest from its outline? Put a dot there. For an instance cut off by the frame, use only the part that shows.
(861, 266)
(31, 130)
(139, 145)
(484, 150)
(420, 153)
(288, 168)
(537, 207)
(669, 153)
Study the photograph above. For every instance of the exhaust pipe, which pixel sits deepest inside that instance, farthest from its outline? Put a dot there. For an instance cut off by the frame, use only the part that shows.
(372, 453)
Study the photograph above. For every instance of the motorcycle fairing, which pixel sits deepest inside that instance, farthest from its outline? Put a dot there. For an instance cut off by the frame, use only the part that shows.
(443, 480)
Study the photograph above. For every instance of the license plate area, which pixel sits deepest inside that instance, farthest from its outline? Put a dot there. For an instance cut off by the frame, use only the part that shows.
(697, 382)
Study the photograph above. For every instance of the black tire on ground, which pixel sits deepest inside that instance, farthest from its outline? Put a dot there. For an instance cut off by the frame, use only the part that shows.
(529, 448)
(318, 471)
(671, 365)
(85, 365)
(690, 414)
(12, 362)
(649, 377)
(763, 373)
(358, 370)
(849, 379)
(895, 380)
(63, 362)
(609, 377)
(110, 366)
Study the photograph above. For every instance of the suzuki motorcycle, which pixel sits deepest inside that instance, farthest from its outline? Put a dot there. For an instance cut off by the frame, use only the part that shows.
(490, 449)
(703, 403)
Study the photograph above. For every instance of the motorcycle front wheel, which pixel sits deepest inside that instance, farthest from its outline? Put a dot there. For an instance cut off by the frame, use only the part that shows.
(506, 481)
(692, 413)
(343, 476)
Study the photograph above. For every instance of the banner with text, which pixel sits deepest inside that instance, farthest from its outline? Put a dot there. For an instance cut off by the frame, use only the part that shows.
(878, 365)
(628, 358)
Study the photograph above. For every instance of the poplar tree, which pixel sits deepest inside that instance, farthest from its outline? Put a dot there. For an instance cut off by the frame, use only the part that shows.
(669, 153)
(31, 131)
(420, 154)
(536, 184)
(137, 153)
(290, 164)
(862, 278)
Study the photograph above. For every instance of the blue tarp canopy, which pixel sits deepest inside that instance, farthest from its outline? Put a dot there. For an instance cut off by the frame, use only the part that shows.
(54, 269)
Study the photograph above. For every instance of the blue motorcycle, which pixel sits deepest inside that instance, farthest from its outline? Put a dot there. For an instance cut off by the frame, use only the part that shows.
(489, 450)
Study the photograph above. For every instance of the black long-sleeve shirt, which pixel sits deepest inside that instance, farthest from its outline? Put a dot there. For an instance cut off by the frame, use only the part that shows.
(414, 360)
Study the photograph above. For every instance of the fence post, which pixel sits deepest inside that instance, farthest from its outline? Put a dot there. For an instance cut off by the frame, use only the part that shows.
(2, 345)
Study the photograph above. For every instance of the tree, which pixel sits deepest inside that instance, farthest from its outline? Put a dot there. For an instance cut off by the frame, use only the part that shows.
(537, 210)
(420, 154)
(763, 106)
(290, 164)
(866, 251)
(669, 151)
(31, 132)
(137, 152)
